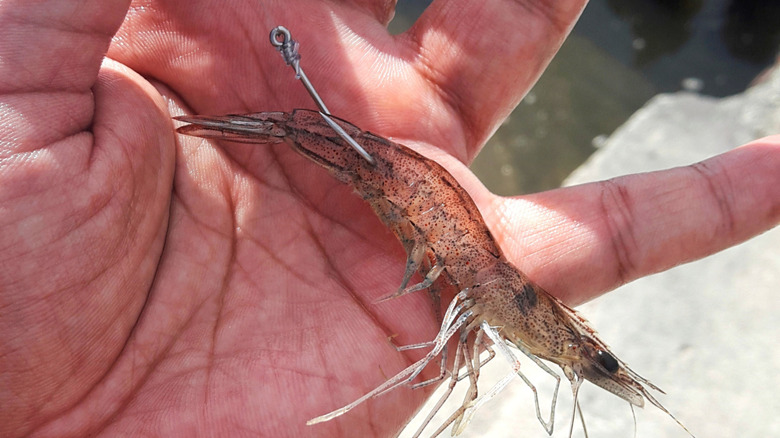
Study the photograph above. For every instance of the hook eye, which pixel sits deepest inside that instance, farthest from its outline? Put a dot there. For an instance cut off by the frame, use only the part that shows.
(280, 31)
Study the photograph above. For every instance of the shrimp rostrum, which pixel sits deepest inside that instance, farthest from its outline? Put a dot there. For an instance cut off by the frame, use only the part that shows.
(446, 239)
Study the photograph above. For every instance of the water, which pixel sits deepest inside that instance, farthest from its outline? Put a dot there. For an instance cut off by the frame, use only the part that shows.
(619, 55)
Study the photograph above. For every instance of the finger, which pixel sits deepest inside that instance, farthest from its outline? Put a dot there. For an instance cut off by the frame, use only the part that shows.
(484, 56)
(50, 54)
(381, 10)
(55, 45)
(581, 241)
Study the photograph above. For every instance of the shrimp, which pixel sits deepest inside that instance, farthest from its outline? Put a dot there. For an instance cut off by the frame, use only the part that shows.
(446, 238)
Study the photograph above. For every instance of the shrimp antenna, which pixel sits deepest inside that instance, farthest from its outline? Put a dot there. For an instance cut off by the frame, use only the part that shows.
(288, 47)
(658, 404)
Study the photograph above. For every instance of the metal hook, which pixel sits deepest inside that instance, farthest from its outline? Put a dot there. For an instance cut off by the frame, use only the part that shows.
(288, 47)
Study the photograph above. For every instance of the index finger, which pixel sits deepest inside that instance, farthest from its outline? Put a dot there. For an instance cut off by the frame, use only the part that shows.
(484, 56)
(588, 239)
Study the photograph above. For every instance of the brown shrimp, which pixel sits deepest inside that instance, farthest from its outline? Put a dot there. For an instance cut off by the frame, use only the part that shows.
(446, 238)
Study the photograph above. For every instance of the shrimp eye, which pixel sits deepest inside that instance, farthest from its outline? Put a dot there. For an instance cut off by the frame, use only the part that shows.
(607, 361)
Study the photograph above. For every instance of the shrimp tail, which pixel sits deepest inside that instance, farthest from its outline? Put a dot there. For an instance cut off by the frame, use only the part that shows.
(304, 130)
(245, 128)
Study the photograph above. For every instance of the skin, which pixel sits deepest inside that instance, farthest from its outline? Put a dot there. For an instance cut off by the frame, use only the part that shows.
(152, 284)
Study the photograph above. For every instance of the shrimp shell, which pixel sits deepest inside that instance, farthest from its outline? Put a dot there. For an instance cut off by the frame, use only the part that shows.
(445, 236)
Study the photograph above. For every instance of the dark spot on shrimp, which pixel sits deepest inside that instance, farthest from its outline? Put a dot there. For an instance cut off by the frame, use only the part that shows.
(525, 298)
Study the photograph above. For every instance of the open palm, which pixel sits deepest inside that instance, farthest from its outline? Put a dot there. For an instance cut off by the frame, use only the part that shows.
(158, 285)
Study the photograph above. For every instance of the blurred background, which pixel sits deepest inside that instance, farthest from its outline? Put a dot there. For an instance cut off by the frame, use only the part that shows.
(619, 55)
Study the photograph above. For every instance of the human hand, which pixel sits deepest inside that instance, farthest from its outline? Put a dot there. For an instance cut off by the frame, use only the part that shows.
(167, 286)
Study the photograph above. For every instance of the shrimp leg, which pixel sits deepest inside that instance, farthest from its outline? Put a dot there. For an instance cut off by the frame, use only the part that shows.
(510, 357)
(453, 321)
(450, 387)
(473, 365)
(417, 250)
